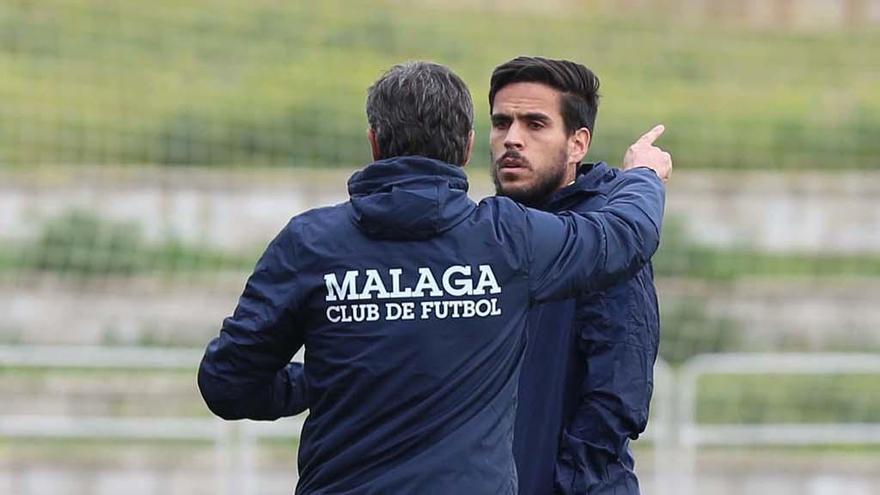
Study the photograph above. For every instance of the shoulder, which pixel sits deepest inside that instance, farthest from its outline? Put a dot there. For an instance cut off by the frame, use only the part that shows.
(608, 177)
(321, 218)
(499, 210)
(600, 184)
(508, 213)
(499, 203)
(314, 225)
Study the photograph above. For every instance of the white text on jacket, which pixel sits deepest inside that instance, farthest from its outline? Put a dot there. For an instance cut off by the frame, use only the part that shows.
(456, 281)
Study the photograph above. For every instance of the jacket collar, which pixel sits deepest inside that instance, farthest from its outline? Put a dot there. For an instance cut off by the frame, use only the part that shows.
(384, 175)
(409, 197)
(587, 184)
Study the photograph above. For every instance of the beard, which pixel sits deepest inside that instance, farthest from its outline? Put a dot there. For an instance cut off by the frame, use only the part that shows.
(545, 180)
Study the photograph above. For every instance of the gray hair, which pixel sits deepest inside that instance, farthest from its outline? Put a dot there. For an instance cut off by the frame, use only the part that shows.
(421, 108)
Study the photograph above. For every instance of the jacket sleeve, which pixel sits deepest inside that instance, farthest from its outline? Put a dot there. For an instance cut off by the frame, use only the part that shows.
(617, 339)
(299, 398)
(573, 253)
(246, 371)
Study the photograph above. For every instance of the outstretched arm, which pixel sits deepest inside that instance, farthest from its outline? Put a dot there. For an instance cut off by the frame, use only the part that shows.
(573, 253)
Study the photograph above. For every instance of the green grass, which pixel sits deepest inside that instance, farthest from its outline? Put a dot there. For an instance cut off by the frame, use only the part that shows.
(713, 264)
(788, 399)
(283, 83)
(687, 329)
(175, 258)
(83, 244)
(679, 256)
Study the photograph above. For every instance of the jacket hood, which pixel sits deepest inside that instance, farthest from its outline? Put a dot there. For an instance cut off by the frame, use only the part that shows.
(409, 198)
(590, 182)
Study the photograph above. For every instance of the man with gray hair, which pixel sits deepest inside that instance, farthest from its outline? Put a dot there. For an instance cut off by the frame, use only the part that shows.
(411, 302)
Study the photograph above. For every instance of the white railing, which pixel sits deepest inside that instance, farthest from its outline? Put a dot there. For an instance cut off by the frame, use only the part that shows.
(674, 431)
(234, 442)
(692, 435)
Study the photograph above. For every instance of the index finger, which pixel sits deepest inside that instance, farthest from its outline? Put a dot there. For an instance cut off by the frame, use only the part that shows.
(652, 135)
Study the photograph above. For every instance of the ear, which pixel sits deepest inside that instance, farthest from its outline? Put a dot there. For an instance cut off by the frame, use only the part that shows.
(374, 144)
(578, 145)
(470, 149)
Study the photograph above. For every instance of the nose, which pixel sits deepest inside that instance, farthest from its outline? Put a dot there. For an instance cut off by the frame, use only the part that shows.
(513, 138)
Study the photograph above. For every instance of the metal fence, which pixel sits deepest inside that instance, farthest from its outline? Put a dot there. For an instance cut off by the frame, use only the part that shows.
(674, 432)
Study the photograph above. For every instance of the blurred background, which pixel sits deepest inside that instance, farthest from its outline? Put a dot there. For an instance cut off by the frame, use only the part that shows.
(150, 150)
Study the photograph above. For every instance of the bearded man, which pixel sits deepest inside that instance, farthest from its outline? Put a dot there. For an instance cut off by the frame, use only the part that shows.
(587, 376)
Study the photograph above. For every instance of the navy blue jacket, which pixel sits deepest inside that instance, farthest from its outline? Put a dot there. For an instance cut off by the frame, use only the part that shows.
(411, 301)
(587, 374)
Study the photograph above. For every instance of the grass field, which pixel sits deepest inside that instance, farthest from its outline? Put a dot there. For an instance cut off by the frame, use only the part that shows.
(283, 83)
(767, 398)
(80, 243)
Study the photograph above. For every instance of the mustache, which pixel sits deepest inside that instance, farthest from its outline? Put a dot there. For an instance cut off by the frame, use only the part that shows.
(513, 155)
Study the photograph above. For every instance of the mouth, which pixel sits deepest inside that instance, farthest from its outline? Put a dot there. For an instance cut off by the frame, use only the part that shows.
(509, 161)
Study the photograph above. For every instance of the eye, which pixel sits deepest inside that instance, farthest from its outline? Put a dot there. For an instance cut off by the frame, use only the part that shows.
(500, 124)
(536, 125)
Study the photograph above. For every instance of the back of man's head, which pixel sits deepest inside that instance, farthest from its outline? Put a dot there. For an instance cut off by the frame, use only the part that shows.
(421, 108)
(579, 86)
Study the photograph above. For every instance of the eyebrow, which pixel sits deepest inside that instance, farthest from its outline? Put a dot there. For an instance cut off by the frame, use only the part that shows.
(540, 117)
(506, 117)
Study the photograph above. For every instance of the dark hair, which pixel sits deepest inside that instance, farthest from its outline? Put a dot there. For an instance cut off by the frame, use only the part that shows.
(578, 85)
(421, 108)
